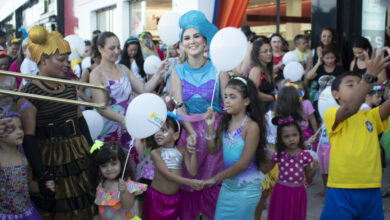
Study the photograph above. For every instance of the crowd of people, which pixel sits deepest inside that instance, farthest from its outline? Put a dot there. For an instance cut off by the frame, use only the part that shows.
(221, 153)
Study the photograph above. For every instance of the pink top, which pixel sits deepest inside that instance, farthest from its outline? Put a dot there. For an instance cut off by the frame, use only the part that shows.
(110, 206)
(291, 167)
(15, 68)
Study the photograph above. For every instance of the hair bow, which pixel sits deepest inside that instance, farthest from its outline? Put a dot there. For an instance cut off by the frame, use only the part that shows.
(96, 146)
(283, 121)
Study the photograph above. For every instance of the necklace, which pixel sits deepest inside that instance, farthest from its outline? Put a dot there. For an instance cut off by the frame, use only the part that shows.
(51, 88)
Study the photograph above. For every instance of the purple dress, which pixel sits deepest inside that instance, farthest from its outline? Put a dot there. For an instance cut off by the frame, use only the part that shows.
(121, 93)
(15, 200)
(197, 89)
(289, 197)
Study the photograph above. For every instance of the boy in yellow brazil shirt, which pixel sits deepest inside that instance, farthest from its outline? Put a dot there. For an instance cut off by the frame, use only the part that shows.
(355, 172)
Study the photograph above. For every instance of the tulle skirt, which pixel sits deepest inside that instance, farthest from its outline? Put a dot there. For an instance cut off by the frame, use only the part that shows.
(68, 159)
(288, 202)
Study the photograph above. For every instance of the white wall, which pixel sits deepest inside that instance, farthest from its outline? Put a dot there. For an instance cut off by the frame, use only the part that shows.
(85, 11)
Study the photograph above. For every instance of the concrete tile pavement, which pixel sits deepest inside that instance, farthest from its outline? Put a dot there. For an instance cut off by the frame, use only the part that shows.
(315, 203)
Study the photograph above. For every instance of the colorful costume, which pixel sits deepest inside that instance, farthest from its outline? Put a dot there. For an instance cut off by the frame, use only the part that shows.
(14, 194)
(289, 197)
(161, 206)
(59, 149)
(110, 206)
(120, 93)
(64, 151)
(239, 194)
(158, 205)
(323, 152)
(197, 90)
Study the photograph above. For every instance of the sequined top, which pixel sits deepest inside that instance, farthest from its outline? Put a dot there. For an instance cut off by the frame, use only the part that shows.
(172, 158)
(233, 146)
(109, 203)
(14, 194)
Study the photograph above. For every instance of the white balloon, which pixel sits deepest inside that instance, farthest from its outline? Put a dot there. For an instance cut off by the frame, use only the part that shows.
(168, 28)
(151, 64)
(94, 121)
(325, 101)
(86, 63)
(228, 48)
(290, 56)
(314, 155)
(145, 115)
(293, 71)
(77, 46)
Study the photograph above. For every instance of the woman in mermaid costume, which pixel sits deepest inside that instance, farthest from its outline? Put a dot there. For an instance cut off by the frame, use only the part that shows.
(192, 84)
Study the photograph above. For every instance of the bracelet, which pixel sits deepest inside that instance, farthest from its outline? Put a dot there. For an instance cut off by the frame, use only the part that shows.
(210, 137)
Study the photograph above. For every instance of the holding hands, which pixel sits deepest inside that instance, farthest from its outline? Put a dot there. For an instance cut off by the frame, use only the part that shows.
(209, 116)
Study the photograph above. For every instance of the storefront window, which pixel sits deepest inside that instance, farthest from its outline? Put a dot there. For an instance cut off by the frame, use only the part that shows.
(295, 17)
(106, 19)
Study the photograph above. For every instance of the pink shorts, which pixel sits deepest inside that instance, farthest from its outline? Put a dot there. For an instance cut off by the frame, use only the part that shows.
(323, 158)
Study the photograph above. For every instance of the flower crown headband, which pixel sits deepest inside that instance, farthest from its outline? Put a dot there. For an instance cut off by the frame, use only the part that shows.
(300, 92)
(8, 113)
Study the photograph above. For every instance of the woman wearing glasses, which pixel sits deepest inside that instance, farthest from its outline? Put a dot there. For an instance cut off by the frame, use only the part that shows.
(261, 72)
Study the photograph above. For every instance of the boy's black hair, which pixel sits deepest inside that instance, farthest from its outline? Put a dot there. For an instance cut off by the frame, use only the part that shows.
(110, 151)
(336, 83)
(298, 37)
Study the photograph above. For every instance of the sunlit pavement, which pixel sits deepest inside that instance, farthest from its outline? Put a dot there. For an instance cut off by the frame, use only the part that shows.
(316, 203)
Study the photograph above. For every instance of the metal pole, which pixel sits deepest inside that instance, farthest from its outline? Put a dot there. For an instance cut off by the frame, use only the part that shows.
(277, 16)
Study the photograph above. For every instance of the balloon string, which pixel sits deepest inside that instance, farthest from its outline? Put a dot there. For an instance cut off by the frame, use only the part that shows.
(127, 158)
(215, 86)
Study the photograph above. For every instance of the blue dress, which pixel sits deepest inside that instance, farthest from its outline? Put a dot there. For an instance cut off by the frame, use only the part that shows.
(239, 194)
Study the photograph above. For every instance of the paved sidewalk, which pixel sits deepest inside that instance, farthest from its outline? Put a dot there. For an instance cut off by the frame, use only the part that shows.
(315, 203)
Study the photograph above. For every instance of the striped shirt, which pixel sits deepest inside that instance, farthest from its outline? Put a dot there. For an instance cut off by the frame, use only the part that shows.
(52, 112)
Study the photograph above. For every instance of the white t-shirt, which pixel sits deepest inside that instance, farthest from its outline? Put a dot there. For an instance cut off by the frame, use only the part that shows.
(28, 67)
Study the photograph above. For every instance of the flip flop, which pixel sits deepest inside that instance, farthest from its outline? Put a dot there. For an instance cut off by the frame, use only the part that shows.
(386, 193)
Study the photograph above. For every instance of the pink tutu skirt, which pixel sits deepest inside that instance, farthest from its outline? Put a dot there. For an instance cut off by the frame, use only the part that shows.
(323, 158)
(288, 202)
(160, 206)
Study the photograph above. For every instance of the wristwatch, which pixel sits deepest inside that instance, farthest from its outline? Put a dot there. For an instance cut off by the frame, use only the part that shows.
(370, 78)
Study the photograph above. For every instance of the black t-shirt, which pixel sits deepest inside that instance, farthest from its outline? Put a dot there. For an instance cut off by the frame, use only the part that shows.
(338, 70)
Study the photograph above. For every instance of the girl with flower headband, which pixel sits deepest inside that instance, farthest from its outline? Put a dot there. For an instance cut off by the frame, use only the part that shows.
(192, 83)
(163, 197)
(57, 140)
(289, 197)
(115, 196)
(242, 136)
(15, 175)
